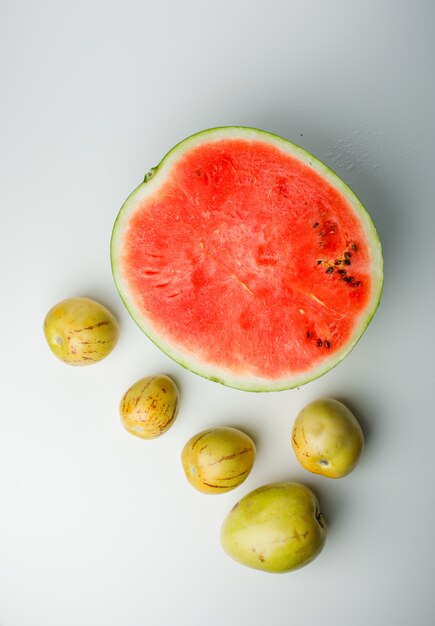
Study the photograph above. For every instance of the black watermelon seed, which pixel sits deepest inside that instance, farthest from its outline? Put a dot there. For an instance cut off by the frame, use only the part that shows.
(342, 272)
(357, 284)
(349, 279)
(337, 261)
(319, 262)
(329, 270)
(315, 225)
(347, 255)
(346, 262)
(353, 246)
(308, 334)
(327, 344)
(319, 343)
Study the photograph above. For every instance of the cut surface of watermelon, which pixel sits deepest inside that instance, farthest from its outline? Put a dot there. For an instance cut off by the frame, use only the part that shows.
(247, 260)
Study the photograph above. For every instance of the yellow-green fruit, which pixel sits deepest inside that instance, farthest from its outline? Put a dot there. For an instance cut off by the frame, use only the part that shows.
(150, 406)
(327, 438)
(218, 460)
(276, 528)
(80, 331)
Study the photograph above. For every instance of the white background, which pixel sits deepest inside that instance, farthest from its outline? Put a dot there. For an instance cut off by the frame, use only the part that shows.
(98, 528)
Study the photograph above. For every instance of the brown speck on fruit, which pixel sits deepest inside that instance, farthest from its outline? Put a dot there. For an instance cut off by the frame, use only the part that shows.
(319, 343)
(327, 344)
(261, 558)
(357, 283)
(329, 270)
(353, 247)
(322, 232)
(308, 335)
(324, 462)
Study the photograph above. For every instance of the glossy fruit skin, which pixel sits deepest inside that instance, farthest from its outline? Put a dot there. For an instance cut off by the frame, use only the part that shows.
(327, 439)
(218, 459)
(276, 528)
(149, 407)
(80, 331)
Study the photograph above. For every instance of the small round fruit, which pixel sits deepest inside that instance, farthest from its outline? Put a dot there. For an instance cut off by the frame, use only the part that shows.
(327, 438)
(150, 406)
(276, 528)
(218, 460)
(80, 331)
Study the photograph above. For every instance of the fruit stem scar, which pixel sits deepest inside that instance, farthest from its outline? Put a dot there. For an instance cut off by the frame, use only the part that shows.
(319, 517)
(150, 174)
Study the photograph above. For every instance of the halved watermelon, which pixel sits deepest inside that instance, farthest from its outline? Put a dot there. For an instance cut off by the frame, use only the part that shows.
(247, 260)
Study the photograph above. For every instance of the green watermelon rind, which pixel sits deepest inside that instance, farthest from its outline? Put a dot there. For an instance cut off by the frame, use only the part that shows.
(150, 185)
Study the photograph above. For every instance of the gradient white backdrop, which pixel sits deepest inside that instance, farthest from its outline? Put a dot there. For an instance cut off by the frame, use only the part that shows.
(98, 528)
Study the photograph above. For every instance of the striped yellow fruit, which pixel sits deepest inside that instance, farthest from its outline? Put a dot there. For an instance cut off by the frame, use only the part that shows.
(150, 406)
(80, 331)
(327, 438)
(275, 528)
(218, 460)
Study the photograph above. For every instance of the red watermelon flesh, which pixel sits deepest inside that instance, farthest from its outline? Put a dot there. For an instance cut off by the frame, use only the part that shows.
(247, 260)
